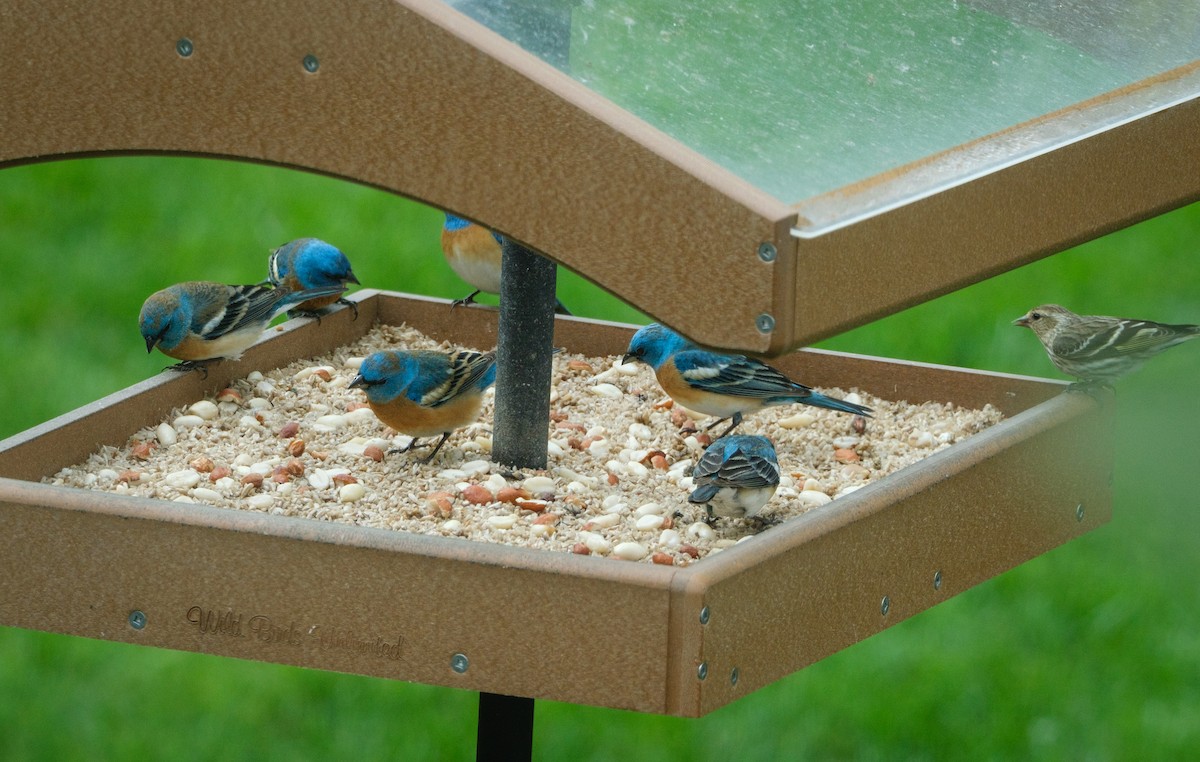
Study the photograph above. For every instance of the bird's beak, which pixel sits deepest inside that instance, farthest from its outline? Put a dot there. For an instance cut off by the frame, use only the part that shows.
(357, 381)
(628, 356)
(151, 343)
(1023, 320)
(353, 278)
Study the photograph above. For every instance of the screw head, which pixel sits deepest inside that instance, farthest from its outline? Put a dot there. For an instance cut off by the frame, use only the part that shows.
(733, 676)
(1079, 512)
(937, 580)
(137, 619)
(459, 663)
(765, 323)
(767, 251)
(885, 605)
(704, 615)
(183, 46)
(311, 64)
(702, 670)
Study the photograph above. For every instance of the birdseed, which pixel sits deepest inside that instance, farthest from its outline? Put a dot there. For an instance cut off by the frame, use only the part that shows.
(297, 441)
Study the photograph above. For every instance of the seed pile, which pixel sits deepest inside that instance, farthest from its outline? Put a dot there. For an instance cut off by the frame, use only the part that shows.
(298, 442)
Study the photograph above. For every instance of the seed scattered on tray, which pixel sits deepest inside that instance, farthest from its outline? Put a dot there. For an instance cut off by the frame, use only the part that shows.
(298, 442)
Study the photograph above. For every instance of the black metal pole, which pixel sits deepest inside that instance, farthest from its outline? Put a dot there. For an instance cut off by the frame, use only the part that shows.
(524, 350)
(505, 728)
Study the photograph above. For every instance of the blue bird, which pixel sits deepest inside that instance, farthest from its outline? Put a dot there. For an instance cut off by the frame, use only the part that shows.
(475, 254)
(424, 393)
(309, 263)
(736, 476)
(199, 320)
(726, 386)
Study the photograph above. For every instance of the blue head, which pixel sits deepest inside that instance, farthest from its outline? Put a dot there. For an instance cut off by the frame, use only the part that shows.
(750, 445)
(386, 375)
(165, 318)
(653, 344)
(308, 263)
(454, 222)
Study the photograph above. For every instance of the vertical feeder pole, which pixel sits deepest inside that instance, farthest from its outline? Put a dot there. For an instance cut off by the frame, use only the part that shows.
(521, 430)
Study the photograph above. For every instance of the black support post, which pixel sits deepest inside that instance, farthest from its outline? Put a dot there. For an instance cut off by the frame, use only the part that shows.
(522, 427)
(523, 355)
(505, 728)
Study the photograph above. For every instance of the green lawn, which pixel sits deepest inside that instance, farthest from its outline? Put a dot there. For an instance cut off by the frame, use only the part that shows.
(1089, 652)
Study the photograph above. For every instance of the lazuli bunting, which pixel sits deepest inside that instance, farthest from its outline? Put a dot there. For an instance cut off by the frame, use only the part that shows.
(736, 476)
(1098, 349)
(726, 386)
(200, 320)
(475, 254)
(309, 263)
(424, 393)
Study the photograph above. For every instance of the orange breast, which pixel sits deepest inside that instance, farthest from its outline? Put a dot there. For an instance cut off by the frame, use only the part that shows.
(407, 417)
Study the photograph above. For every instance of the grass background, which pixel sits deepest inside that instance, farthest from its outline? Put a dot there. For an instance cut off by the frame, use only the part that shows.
(1088, 652)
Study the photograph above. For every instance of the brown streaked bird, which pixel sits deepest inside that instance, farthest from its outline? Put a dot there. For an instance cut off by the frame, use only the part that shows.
(1097, 349)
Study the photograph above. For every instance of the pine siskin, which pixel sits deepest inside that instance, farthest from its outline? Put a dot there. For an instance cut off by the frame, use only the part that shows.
(1097, 349)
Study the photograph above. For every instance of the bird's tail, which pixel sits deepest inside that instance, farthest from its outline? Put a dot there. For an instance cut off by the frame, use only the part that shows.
(703, 493)
(832, 403)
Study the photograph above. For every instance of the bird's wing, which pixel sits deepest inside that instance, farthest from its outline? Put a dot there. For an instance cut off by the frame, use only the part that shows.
(743, 467)
(734, 374)
(1113, 338)
(244, 306)
(463, 372)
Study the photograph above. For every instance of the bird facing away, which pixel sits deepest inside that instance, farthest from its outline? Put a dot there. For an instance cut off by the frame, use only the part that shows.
(736, 476)
(200, 320)
(424, 393)
(476, 255)
(1098, 349)
(309, 263)
(726, 386)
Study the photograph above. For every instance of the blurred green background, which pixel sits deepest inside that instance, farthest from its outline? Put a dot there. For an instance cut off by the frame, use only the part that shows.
(1088, 652)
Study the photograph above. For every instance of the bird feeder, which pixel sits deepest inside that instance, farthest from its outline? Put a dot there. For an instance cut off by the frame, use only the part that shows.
(747, 206)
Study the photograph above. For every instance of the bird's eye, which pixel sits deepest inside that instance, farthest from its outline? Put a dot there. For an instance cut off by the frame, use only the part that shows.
(1035, 316)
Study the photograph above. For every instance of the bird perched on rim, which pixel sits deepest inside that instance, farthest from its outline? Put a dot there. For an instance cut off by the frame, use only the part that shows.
(424, 393)
(475, 254)
(727, 386)
(736, 476)
(1098, 349)
(201, 320)
(308, 263)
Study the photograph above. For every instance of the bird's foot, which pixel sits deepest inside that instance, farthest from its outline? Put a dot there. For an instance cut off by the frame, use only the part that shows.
(466, 301)
(351, 304)
(191, 365)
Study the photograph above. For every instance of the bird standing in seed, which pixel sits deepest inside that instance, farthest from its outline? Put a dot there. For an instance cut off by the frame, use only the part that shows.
(423, 393)
(1097, 349)
(726, 386)
(200, 320)
(476, 254)
(736, 476)
(309, 263)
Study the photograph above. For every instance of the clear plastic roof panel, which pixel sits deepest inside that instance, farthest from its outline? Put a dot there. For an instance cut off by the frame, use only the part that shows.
(801, 97)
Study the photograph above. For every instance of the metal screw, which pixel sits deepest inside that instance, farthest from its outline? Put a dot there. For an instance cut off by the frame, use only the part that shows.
(184, 47)
(1079, 512)
(733, 676)
(885, 605)
(767, 251)
(704, 615)
(765, 323)
(459, 663)
(702, 670)
(311, 64)
(937, 580)
(137, 619)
